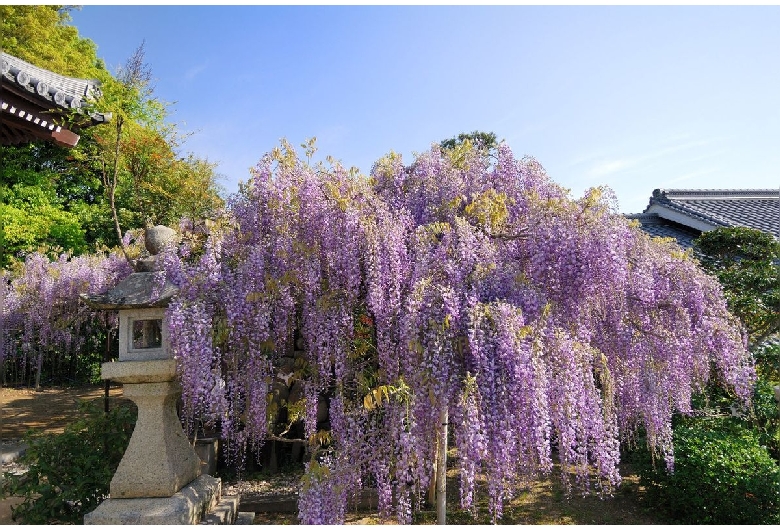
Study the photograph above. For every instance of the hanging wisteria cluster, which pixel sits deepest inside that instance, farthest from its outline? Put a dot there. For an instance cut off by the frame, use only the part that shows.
(41, 314)
(547, 328)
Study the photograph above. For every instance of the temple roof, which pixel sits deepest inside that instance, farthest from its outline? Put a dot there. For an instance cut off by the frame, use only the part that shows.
(34, 103)
(685, 214)
(709, 209)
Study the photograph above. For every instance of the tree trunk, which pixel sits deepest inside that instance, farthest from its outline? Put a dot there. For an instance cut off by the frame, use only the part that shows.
(113, 182)
(441, 469)
(432, 485)
(38, 373)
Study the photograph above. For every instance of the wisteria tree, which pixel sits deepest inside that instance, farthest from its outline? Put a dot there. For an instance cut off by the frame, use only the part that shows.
(43, 321)
(465, 289)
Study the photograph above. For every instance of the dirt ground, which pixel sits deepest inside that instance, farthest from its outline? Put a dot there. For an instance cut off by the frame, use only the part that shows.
(49, 410)
(545, 503)
(46, 411)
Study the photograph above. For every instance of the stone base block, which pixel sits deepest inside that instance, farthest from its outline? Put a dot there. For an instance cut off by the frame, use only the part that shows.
(191, 505)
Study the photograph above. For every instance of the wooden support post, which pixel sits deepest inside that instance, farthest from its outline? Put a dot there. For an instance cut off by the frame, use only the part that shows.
(441, 469)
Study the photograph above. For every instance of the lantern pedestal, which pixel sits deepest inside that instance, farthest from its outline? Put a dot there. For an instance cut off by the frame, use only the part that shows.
(158, 480)
(159, 461)
(190, 505)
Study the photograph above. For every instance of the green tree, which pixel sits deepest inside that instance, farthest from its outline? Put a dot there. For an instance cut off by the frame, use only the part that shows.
(44, 203)
(118, 176)
(745, 261)
(480, 139)
(40, 34)
(144, 177)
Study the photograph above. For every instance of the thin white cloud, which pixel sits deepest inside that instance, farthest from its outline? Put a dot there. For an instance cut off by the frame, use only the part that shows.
(604, 167)
(607, 168)
(193, 72)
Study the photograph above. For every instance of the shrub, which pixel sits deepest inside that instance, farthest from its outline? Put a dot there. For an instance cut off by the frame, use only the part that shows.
(764, 419)
(722, 475)
(70, 473)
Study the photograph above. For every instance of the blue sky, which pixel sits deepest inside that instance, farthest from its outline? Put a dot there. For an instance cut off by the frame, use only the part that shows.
(635, 98)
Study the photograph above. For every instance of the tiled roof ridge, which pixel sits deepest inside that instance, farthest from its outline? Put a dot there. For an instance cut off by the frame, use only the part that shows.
(668, 203)
(671, 211)
(704, 194)
(39, 83)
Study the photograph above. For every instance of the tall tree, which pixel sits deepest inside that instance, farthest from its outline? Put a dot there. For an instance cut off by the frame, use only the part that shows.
(131, 97)
(41, 35)
(480, 139)
(35, 202)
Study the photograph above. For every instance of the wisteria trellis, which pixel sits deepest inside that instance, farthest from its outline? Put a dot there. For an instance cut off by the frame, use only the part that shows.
(40, 310)
(538, 321)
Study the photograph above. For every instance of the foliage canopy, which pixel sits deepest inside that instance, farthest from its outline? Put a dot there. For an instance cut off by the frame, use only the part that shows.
(723, 475)
(745, 261)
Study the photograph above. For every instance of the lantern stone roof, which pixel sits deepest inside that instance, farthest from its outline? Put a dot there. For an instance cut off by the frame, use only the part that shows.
(137, 291)
(684, 213)
(35, 102)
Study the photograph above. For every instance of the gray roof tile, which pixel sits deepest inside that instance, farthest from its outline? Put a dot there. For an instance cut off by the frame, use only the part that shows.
(751, 208)
(46, 86)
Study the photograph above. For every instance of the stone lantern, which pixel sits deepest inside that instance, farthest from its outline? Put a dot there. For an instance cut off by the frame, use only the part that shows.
(159, 479)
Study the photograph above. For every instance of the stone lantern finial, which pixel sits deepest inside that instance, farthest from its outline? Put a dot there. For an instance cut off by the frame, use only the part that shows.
(156, 238)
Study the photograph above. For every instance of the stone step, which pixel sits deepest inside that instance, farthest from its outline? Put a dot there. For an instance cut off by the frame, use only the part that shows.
(224, 512)
(245, 518)
(270, 504)
(288, 503)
